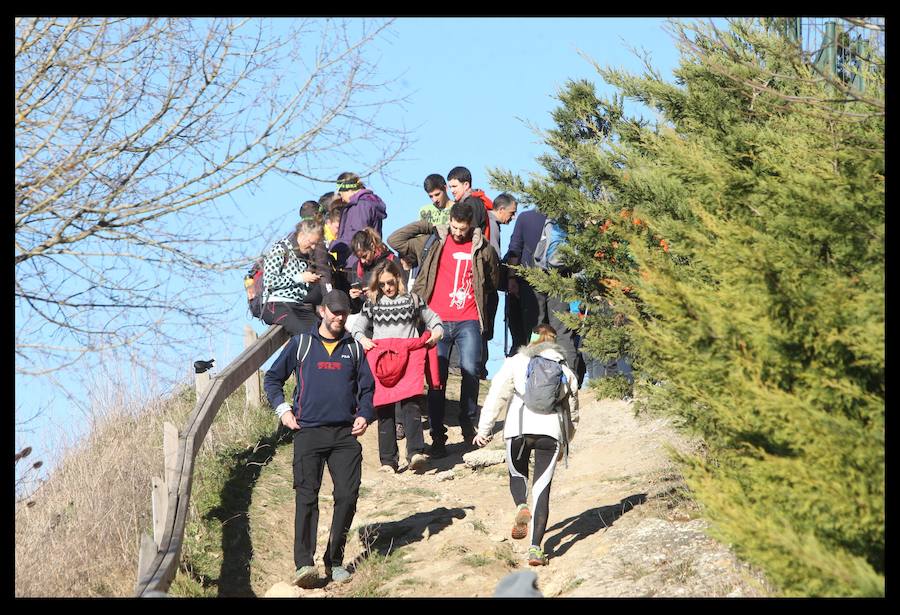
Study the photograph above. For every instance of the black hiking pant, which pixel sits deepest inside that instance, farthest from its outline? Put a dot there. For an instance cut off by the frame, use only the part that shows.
(518, 454)
(294, 317)
(526, 311)
(313, 448)
(410, 417)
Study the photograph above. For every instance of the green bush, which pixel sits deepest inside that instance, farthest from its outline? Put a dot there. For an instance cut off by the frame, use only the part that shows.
(742, 236)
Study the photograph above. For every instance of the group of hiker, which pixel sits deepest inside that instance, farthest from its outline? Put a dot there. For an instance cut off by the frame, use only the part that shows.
(373, 327)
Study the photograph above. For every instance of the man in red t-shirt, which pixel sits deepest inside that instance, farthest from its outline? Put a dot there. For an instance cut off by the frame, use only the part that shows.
(456, 277)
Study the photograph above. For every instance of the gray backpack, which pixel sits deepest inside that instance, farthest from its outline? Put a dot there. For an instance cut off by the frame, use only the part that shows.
(544, 390)
(544, 379)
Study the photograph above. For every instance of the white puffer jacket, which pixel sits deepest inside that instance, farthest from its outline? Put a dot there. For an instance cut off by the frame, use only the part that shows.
(506, 391)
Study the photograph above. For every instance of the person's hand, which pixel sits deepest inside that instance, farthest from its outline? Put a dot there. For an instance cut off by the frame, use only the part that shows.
(309, 277)
(480, 440)
(354, 293)
(367, 343)
(289, 420)
(435, 337)
(359, 427)
(512, 287)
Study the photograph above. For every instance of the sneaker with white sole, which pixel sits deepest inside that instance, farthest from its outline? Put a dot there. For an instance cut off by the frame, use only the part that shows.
(387, 469)
(306, 577)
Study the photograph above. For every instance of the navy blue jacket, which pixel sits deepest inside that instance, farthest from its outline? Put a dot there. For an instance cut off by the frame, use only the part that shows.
(331, 389)
(525, 236)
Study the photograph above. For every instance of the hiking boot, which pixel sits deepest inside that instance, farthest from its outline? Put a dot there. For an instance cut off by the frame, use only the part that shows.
(536, 557)
(338, 574)
(520, 525)
(401, 431)
(438, 450)
(417, 462)
(306, 577)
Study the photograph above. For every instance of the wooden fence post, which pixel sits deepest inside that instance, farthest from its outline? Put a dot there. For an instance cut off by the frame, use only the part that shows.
(159, 497)
(201, 383)
(251, 385)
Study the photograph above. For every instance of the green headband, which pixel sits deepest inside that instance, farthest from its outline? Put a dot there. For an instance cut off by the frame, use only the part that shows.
(342, 187)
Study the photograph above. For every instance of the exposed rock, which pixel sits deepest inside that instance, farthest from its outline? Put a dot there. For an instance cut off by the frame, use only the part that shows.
(446, 475)
(283, 590)
(484, 458)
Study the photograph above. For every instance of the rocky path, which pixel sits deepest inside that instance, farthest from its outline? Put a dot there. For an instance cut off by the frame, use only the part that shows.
(619, 524)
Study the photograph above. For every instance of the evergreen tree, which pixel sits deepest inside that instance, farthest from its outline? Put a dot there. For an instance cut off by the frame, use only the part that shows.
(742, 234)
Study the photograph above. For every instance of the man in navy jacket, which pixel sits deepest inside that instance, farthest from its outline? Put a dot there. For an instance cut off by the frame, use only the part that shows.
(332, 407)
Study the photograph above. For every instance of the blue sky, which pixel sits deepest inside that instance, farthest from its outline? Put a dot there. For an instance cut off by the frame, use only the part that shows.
(476, 89)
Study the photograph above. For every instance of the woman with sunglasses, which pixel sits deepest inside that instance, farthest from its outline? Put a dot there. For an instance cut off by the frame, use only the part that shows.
(392, 312)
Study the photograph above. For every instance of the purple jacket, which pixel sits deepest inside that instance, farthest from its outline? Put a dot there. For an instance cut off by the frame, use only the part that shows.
(364, 209)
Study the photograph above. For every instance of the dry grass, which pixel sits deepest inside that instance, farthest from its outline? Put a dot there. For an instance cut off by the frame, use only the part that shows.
(81, 535)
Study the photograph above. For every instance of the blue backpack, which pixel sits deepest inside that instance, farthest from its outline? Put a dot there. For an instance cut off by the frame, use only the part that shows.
(546, 253)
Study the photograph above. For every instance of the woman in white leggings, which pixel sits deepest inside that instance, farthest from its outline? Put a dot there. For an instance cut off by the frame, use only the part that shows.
(547, 434)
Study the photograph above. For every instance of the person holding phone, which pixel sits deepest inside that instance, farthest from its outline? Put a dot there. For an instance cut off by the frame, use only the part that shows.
(370, 251)
(292, 285)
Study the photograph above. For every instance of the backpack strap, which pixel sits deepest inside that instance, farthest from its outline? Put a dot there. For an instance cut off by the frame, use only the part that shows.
(303, 348)
(355, 353)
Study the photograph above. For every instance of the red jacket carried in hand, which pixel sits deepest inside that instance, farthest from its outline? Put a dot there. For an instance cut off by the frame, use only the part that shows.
(399, 365)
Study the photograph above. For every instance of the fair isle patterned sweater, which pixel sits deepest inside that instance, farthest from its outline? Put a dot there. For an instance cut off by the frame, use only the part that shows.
(395, 318)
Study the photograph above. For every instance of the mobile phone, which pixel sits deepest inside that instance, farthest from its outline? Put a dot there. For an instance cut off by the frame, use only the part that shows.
(356, 285)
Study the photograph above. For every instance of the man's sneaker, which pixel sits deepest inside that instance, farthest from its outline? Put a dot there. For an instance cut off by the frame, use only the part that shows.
(437, 450)
(418, 462)
(401, 431)
(306, 577)
(520, 525)
(536, 557)
(388, 469)
(339, 574)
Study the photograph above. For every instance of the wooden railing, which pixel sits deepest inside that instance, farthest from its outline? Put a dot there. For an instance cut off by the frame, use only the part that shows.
(159, 555)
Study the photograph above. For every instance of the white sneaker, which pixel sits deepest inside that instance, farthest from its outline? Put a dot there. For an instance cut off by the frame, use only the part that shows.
(388, 469)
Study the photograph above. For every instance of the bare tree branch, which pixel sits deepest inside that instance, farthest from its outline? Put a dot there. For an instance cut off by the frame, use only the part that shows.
(128, 134)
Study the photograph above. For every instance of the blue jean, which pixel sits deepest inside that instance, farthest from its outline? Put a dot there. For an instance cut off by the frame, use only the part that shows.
(466, 335)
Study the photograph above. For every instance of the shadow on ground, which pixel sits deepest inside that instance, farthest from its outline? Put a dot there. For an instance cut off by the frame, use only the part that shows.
(589, 522)
(388, 536)
(237, 545)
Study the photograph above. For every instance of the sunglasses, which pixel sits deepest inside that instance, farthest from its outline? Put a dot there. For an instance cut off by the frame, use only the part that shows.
(388, 283)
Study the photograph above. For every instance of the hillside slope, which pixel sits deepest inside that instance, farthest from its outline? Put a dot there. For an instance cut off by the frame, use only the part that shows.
(619, 523)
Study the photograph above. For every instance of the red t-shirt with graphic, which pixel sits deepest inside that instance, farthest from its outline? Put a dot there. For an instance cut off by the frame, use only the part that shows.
(453, 298)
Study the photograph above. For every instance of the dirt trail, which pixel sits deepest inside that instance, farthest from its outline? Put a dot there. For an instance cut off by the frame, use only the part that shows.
(617, 524)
